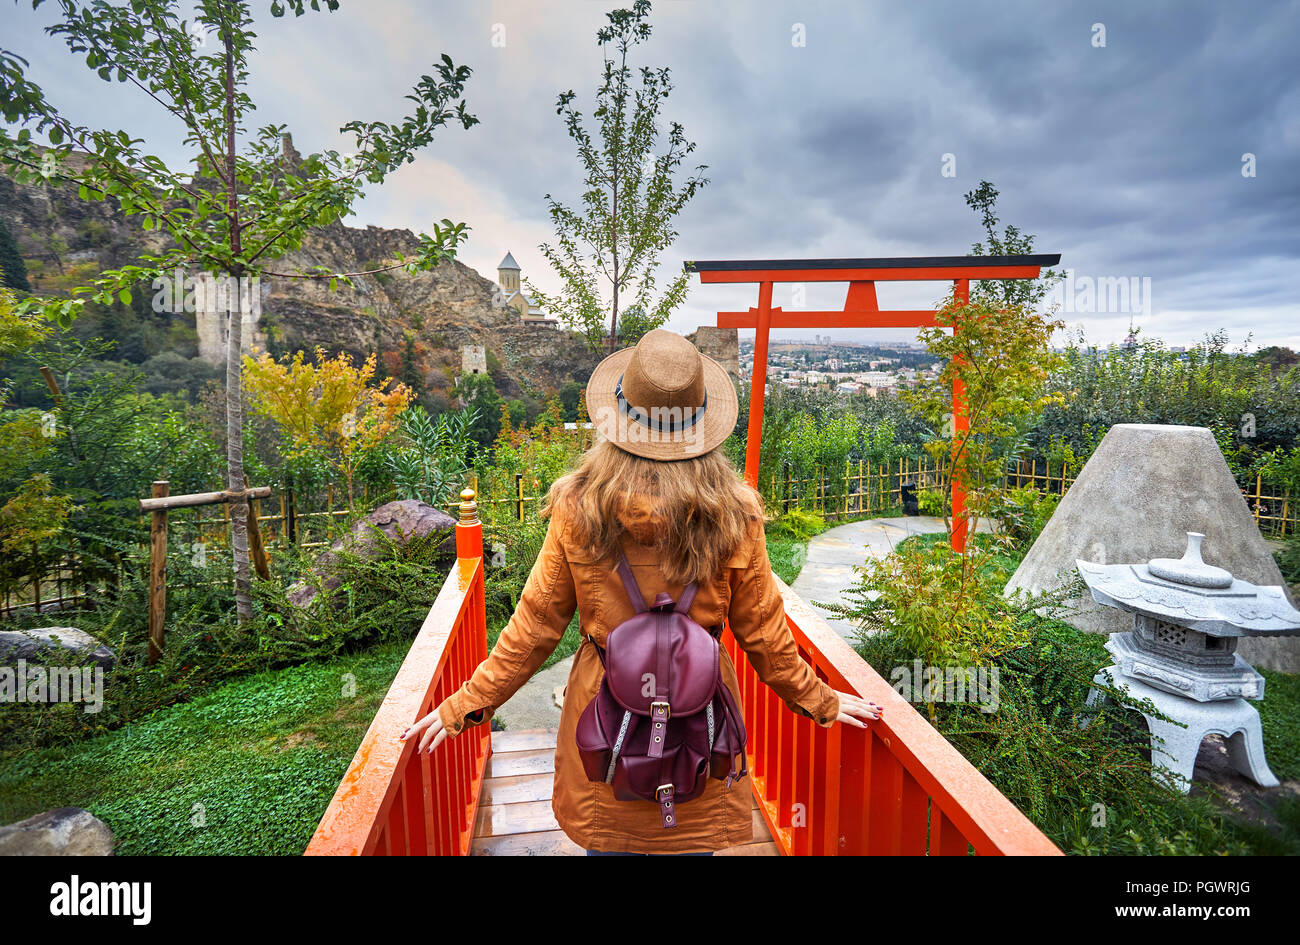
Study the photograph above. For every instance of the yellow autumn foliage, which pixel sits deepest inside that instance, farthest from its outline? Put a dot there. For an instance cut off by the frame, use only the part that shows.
(329, 404)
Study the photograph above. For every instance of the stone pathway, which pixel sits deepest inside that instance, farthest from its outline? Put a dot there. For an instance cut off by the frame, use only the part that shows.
(536, 704)
(828, 569)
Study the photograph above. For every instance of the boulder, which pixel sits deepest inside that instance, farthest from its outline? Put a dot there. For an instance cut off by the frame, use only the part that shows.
(53, 645)
(1141, 492)
(400, 521)
(67, 831)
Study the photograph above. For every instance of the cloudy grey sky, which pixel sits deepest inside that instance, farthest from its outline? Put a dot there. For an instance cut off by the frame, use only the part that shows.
(1127, 158)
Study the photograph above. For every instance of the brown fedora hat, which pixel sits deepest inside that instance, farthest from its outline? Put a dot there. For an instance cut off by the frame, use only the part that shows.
(662, 399)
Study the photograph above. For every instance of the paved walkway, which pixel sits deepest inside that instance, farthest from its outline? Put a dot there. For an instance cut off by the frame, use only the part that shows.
(828, 569)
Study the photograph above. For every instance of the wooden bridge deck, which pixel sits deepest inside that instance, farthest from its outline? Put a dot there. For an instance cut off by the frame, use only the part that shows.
(514, 814)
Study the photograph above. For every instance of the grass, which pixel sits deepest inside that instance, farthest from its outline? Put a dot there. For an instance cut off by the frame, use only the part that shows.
(1279, 714)
(247, 768)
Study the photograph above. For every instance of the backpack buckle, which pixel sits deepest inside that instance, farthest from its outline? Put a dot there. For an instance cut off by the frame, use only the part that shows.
(667, 710)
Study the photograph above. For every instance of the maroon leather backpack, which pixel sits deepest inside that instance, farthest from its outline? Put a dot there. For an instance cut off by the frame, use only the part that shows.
(663, 721)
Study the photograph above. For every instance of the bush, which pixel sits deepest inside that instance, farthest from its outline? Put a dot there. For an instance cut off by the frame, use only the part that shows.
(1088, 787)
(1288, 560)
(1021, 514)
(933, 502)
(798, 525)
(946, 608)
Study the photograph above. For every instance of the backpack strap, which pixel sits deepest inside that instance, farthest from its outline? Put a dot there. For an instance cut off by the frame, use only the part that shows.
(634, 594)
(688, 595)
(629, 584)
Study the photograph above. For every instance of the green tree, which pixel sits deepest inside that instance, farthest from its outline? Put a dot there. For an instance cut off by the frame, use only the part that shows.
(1001, 353)
(482, 401)
(246, 201)
(409, 371)
(609, 249)
(1011, 242)
(570, 395)
(13, 271)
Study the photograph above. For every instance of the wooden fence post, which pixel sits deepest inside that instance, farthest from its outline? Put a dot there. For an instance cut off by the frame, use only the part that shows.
(846, 487)
(36, 578)
(290, 521)
(158, 573)
(255, 545)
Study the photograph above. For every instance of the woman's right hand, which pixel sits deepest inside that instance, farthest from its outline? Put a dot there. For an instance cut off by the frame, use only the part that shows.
(854, 710)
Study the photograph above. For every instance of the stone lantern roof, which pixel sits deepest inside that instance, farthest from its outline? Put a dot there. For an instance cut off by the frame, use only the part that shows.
(1192, 594)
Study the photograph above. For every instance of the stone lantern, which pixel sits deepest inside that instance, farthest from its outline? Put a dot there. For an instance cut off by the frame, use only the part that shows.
(1181, 653)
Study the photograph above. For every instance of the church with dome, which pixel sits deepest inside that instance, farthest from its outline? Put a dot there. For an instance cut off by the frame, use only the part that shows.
(514, 296)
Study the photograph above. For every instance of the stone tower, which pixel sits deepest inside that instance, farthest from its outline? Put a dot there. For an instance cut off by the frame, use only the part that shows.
(210, 300)
(473, 359)
(508, 274)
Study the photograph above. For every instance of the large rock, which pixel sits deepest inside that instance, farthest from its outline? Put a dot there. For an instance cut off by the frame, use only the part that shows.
(401, 521)
(67, 831)
(55, 645)
(1143, 490)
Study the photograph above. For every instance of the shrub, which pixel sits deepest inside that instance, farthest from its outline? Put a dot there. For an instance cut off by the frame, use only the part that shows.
(380, 598)
(946, 608)
(1088, 787)
(1022, 513)
(1288, 560)
(798, 525)
(933, 502)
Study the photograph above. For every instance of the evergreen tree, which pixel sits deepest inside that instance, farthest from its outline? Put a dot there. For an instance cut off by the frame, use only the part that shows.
(410, 372)
(13, 271)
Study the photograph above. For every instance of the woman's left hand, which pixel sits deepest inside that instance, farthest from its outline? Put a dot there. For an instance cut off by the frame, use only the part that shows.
(856, 711)
(434, 732)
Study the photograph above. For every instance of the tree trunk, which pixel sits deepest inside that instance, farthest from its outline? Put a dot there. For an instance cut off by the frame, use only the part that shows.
(235, 458)
(235, 480)
(613, 319)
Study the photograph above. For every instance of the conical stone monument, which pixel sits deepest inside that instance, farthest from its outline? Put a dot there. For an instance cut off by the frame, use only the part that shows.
(1143, 490)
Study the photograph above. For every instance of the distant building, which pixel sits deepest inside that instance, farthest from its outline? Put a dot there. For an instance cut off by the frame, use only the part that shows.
(473, 359)
(875, 378)
(514, 296)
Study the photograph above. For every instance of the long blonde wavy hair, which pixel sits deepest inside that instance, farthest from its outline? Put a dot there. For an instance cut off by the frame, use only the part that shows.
(701, 507)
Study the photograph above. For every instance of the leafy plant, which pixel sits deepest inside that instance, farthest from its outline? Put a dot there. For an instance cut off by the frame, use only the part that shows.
(330, 405)
(798, 525)
(945, 607)
(1022, 513)
(433, 458)
(932, 502)
(629, 198)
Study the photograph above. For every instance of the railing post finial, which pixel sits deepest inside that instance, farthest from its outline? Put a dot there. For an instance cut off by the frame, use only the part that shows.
(468, 507)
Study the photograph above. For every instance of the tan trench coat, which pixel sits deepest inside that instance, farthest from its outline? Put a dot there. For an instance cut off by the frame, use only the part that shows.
(565, 578)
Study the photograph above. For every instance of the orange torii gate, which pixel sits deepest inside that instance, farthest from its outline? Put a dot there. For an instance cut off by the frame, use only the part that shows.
(860, 311)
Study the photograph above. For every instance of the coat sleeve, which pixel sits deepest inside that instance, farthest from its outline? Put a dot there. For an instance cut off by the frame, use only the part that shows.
(757, 621)
(545, 608)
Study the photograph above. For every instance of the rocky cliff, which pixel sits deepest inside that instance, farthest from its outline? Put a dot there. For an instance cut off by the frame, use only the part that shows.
(65, 240)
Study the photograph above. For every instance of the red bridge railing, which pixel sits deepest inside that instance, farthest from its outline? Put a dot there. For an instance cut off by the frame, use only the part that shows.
(897, 787)
(393, 800)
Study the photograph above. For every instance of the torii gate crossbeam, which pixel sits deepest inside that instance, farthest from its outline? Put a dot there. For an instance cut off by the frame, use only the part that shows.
(861, 310)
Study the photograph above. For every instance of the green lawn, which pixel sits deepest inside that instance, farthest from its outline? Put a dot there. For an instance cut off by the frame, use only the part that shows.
(247, 768)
